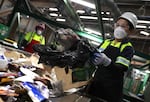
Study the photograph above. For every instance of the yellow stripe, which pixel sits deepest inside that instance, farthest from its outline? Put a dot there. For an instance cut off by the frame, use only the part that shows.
(115, 44)
(124, 46)
(9, 40)
(119, 59)
(105, 44)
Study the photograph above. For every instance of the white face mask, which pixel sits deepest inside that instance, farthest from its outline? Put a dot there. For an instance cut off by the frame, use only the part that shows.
(119, 33)
(39, 32)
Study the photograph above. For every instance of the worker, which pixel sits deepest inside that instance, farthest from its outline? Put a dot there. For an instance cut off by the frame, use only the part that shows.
(32, 38)
(112, 59)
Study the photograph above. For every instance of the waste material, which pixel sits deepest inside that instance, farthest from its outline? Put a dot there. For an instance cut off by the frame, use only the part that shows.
(22, 81)
(72, 59)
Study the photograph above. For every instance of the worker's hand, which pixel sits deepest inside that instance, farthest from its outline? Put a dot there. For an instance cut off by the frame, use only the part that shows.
(97, 58)
(100, 59)
(106, 60)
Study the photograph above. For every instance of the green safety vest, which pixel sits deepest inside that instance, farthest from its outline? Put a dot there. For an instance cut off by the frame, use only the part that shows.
(33, 36)
(120, 59)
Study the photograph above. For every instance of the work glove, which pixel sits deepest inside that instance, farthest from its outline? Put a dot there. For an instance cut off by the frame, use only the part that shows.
(101, 59)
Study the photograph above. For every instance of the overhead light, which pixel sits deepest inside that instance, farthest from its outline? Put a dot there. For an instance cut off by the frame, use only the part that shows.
(80, 11)
(28, 16)
(53, 9)
(140, 26)
(60, 19)
(88, 17)
(53, 14)
(93, 12)
(107, 34)
(144, 33)
(92, 31)
(108, 19)
(108, 13)
(95, 18)
(143, 21)
(84, 3)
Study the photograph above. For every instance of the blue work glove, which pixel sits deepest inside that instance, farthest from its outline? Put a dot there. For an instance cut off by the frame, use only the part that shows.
(101, 59)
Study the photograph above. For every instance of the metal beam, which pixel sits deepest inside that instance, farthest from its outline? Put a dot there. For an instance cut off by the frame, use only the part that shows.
(38, 17)
(1, 4)
(6, 12)
(20, 4)
(142, 55)
(73, 17)
(135, 37)
(100, 22)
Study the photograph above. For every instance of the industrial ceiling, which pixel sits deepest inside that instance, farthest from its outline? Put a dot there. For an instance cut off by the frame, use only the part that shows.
(95, 16)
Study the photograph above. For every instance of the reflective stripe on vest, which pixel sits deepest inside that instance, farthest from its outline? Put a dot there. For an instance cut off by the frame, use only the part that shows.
(104, 45)
(119, 59)
(123, 61)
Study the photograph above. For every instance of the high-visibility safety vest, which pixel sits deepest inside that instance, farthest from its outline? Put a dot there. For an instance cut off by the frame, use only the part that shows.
(33, 36)
(121, 46)
(33, 39)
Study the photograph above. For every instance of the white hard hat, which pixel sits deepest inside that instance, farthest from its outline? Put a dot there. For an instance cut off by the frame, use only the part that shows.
(131, 17)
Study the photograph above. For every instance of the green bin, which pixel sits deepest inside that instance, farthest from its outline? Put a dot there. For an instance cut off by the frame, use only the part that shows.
(3, 31)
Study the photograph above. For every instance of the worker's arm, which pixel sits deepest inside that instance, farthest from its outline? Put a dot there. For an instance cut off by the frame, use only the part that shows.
(25, 41)
(123, 61)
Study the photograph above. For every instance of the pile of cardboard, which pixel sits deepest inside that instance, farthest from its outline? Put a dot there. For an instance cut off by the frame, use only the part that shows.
(32, 72)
